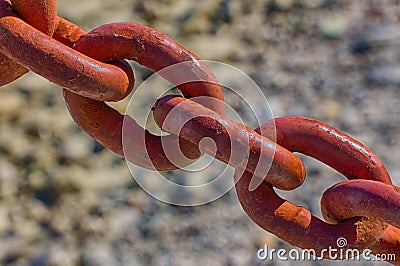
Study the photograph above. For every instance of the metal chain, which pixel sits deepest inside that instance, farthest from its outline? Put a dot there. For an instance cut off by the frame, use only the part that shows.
(91, 68)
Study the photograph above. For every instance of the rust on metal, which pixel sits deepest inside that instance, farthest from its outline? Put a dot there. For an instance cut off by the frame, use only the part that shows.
(67, 32)
(40, 14)
(61, 64)
(366, 198)
(297, 226)
(389, 243)
(105, 124)
(156, 51)
(332, 147)
(232, 141)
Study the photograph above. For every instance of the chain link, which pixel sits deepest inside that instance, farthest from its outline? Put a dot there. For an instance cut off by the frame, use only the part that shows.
(91, 68)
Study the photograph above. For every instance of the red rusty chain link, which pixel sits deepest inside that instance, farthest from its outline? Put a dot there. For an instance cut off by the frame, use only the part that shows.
(294, 224)
(99, 81)
(39, 14)
(287, 171)
(89, 67)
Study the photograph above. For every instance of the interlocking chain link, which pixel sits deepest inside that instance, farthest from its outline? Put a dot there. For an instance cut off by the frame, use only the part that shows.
(91, 68)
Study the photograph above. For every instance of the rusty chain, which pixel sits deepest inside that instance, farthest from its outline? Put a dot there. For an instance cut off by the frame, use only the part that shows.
(91, 69)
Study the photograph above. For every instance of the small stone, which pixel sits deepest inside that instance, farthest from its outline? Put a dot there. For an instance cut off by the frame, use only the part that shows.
(329, 108)
(37, 180)
(37, 210)
(374, 36)
(4, 222)
(99, 255)
(77, 146)
(11, 103)
(241, 257)
(350, 116)
(128, 218)
(26, 228)
(283, 4)
(333, 27)
(385, 75)
(56, 255)
(212, 48)
(313, 3)
(197, 25)
(8, 179)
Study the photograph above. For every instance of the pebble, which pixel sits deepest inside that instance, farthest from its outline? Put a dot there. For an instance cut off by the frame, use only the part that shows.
(313, 3)
(77, 146)
(374, 36)
(4, 223)
(385, 75)
(283, 4)
(11, 103)
(333, 27)
(8, 179)
(212, 48)
(127, 220)
(98, 255)
(56, 255)
(26, 228)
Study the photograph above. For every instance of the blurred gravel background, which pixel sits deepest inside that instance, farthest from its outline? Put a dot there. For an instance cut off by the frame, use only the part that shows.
(64, 200)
